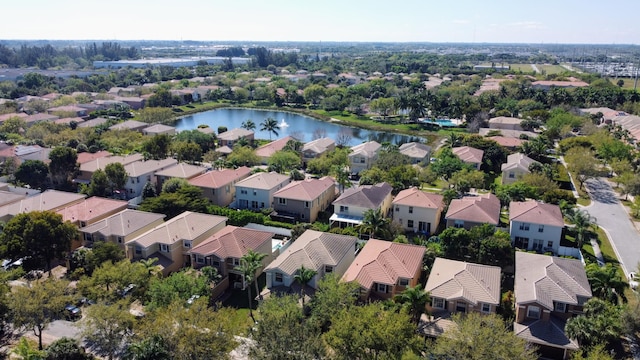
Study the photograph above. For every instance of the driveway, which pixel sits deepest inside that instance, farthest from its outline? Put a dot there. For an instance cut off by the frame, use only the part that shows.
(612, 217)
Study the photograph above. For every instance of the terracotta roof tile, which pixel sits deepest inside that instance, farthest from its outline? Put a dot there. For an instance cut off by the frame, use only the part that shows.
(123, 223)
(478, 209)
(263, 180)
(232, 242)
(418, 198)
(218, 178)
(536, 213)
(452, 279)
(365, 196)
(468, 154)
(91, 208)
(269, 149)
(186, 226)
(305, 190)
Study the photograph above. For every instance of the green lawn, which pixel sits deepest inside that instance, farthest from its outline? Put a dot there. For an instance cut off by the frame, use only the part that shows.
(525, 68)
(551, 69)
(628, 83)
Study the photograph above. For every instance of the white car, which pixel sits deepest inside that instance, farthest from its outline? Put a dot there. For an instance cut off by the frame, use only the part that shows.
(634, 280)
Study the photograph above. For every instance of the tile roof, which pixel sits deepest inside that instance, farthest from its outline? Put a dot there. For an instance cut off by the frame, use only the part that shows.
(508, 133)
(507, 141)
(505, 120)
(101, 163)
(232, 242)
(186, 226)
(123, 223)
(269, 149)
(536, 212)
(415, 150)
(218, 178)
(452, 279)
(318, 146)
(142, 167)
(128, 125)
(314, 249)
(87, 156)
(367, 149)
(468, 154)
(306, 190)
(158, 128)
(91, 208)
(48, 200)
(384, 262)
(263, 180)
(40, 117)
(182, 170)
(480, 209)
(235, 134)
(67, 121)
(7, 197)
(418, 198)
(365, 196)
(544, 279)
(93, 122)
(550, 333)
(519, 161)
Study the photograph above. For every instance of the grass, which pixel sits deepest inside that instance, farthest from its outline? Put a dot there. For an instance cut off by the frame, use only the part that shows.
(525, 68)
(551, 69)
(584, 201)
(628, 82)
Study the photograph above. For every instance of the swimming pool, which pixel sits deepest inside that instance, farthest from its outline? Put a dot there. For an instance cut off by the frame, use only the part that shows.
(440, 122)
(276, 244)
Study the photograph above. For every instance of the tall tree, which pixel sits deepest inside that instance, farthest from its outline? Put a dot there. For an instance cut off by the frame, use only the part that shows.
(254, 259)
(63, 165)
(271, 126)
(606, 283)
(99, 185)
(108, 327)
(66, 349)
(249, 125)
(415, 299)
(302, 277)
(599, 324)
(33, 173)
(117, 175)
(583, 223)
(375, 224)
(332, 295)
(157, 147)
(40, 235)
(33, 308)
(284, 161)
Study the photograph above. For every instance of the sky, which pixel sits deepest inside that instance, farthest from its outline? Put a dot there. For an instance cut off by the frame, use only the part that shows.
(466, 21)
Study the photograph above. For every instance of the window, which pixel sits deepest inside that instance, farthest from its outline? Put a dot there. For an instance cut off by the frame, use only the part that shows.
(120, 240)
(537, 244)
(550, 244)
(88, 237)
(215, 263)
(437, 303)
(164, 248)
(83, 224)
(524, 226)
(255, 193)
(559, 307)
(213, 191)
(236, 262)
(403, 282)
(138, 250)
(410, 209)
(512, 175)
(540, 228)
(397, 209)
(306, 204)
(187, 244)
(344, 208)
(199, 259)
(362, 160)
(486, 308)
(461, 306)
(458, 223)
(533, 312)
(328, 269)
(278, 277)
(282, 201)
(410, 223)
(382, 288)
(254, 204)
(227, 188)
(243, 191)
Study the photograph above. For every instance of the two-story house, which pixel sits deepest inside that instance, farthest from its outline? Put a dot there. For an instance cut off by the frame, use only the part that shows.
(418, 211)
(303, 200)
(349, 208)
(535, 226)
(316, 148)
(180, 171)
(548, 290)
(230, 137)
(219, 185)
(319, 251)
(172, 241)
(265, 151)
(516, 167)
(458, 286)
(224, 249)
(384, 268)
(50, 200)
(120, 228)
(256, 191)
(88, 168)
(418, 153)
(142, 172)
(471, 211)
(362, 156)
(469, 155)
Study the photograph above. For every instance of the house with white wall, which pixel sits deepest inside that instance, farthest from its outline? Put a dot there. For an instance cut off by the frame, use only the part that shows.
(535, 226)
(362, 156)
(417, 210)
(256, 191)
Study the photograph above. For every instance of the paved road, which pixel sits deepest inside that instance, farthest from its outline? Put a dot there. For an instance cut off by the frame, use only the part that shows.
(611, 216)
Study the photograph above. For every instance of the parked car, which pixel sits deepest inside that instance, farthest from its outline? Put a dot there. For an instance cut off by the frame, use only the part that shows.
(633, 281)
(192, 299)
(72, 312)
(127, 290)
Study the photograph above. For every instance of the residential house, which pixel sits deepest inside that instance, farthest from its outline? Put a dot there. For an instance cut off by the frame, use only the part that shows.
(303, 200)
(218, 185)
(7, 197)
(322, 252)
(548, 290)
(40, 117)
(458, 286)
(510, 143)
(418, 211)
(472, 211)
(159, 129)
(50, 200)
(547, 85)
(93, 122)
(172, 241)
(180, 171)
(506, 123)
(535, 226)
(316, 148)
(230, 137)
(224, 249)
(132, 125)
(88, 168)
(418, 153)
(469, 155)
(85, 157)
(68, 109)
(514, 134)
(121, 227)
(350, 206)
(516, 167)
(384, 269)
(362, 156)
(265, 151)
(142, 172)
(256, 191)
(91, 210)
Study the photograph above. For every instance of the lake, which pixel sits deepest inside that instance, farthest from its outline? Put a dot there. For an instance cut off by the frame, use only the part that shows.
(302, 127)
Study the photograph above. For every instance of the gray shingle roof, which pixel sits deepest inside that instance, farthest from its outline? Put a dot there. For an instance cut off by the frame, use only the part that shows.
(451, 279)
(365, 196)
(123, 223)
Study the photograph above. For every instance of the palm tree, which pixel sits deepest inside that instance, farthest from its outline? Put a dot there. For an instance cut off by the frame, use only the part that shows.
(255, 259)
(249, 125)
(152, 348)
(342, 177)
(248, 272)
(303, 276)
(416, 299)
(374, 223)
(270, 125)
(583, 223)
(453, 140)
(150, 265)
(606, 282)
